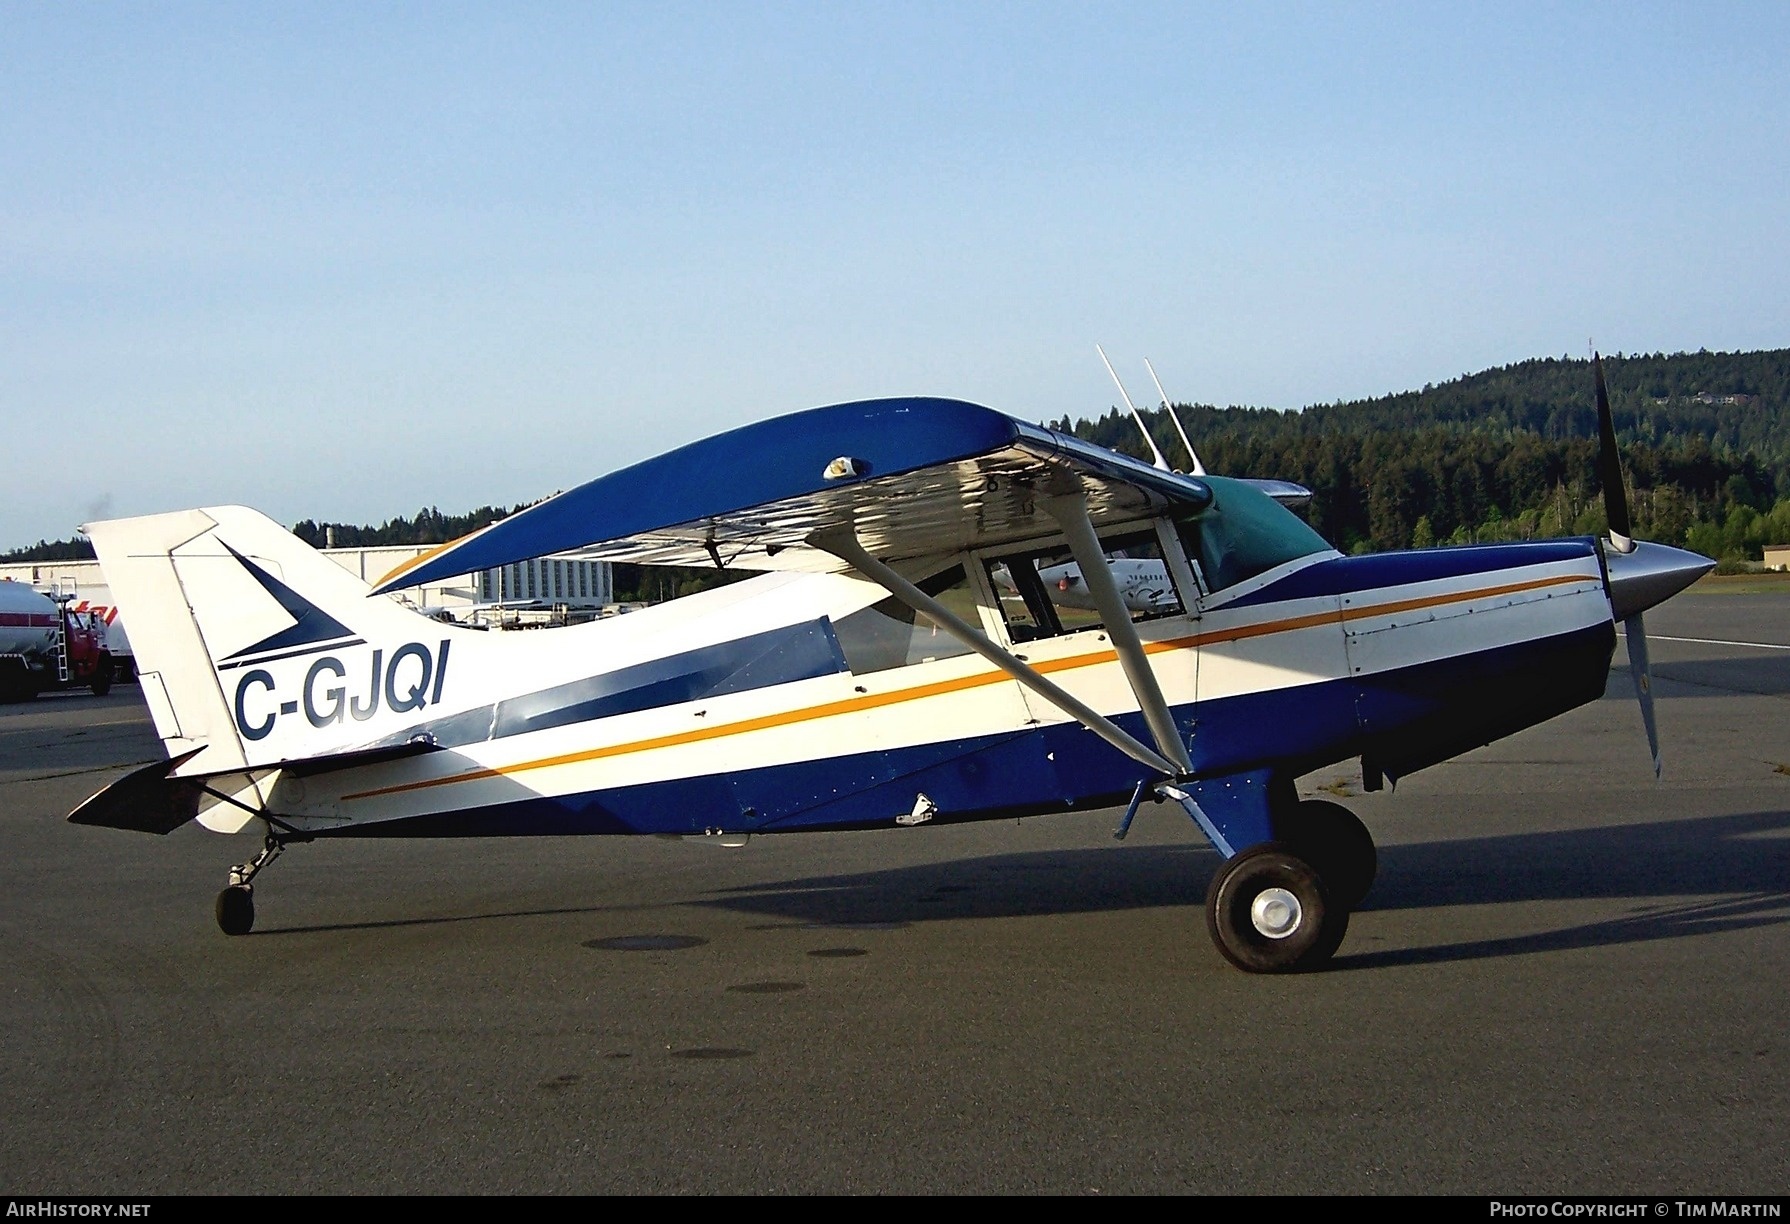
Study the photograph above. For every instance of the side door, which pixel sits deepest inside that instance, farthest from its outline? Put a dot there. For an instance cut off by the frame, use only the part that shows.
(1048, 617)
(923, 716)
(1274, 683)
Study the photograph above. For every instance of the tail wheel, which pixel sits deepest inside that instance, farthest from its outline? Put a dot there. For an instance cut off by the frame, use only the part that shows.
(1268, 912)
(1332, 839)
(236, 910)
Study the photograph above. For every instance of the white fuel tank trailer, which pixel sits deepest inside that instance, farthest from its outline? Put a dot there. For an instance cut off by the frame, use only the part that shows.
(45, 645)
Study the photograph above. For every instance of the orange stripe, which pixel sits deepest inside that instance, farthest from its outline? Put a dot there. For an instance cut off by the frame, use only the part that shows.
(852, 705)
(763, 722)
(1363, 613)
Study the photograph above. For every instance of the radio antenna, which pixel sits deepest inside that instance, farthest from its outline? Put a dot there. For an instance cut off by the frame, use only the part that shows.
(1135, 414)
(1199, 469)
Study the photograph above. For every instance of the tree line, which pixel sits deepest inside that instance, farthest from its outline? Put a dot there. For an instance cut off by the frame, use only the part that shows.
(1511, 453)
(428, 526)
(1507, 453)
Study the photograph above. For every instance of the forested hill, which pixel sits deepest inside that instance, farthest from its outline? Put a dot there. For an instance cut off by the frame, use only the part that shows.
(1511, 452)
(429, 526)
(1506, 453)
(1735, 400)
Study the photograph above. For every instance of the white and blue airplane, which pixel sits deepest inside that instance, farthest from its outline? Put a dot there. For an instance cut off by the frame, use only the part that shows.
(897, 662)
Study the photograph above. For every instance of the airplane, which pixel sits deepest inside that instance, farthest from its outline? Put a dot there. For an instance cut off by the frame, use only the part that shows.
(1144, 585)
(872, 675)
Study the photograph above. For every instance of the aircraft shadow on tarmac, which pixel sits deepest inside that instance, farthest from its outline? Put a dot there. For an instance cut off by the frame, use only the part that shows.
(556, 911)
(1688, 877)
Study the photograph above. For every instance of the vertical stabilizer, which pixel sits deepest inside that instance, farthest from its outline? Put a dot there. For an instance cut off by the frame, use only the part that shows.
(179, 685)
(254, 649)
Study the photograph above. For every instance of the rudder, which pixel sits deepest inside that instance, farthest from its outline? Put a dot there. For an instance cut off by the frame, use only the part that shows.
(246, 638)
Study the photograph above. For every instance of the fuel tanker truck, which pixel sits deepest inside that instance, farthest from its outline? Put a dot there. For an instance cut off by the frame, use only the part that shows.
(46, 645)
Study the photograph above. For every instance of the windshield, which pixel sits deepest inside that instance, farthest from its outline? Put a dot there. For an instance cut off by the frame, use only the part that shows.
(1244, 533)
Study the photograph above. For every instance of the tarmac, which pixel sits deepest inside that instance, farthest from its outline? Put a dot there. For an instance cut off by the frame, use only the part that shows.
(1567, 979)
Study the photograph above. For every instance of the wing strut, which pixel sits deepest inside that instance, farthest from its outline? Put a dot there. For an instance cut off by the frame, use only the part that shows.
(843, 543)
(1071, 514)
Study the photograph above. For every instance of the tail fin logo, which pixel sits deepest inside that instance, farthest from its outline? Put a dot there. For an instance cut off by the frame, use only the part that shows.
(268, 683)
(312, 629)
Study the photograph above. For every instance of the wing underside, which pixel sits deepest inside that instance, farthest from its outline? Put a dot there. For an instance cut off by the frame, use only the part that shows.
(909, 478)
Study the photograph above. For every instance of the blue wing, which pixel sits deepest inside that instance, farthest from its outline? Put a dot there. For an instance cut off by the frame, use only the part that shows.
(914, 477)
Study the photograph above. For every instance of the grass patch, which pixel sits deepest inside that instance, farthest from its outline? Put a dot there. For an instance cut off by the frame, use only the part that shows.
(1770, 581)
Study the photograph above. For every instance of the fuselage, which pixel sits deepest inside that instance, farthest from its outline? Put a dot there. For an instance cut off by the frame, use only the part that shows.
(741, 710)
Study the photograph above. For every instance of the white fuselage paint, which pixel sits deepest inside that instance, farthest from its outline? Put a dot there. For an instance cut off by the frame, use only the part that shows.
(1221, 653)
(197, 670)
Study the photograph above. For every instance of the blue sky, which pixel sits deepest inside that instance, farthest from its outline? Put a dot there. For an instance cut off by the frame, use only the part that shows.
(345, 261)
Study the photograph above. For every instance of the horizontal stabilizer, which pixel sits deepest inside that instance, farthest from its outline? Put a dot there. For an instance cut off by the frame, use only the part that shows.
(146, 800)
(154, 800)
(310, 767)
(1292, 496)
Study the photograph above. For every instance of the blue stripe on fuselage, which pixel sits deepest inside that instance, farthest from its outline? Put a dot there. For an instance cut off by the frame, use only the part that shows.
(1376, 571)
(1399, 718)
(777, 656)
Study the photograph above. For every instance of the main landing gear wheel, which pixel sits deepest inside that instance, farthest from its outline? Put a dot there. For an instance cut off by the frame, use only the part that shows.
(236, 910)
(1332, 839)
(1269, 912)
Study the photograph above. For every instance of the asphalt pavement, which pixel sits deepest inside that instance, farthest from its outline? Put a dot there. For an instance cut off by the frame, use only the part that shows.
(1568, 978)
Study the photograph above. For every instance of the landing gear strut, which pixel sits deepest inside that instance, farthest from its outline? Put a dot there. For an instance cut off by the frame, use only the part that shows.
(236, 904)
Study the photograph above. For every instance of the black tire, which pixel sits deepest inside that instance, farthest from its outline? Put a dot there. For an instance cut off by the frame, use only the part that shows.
(101, 684)
(1274, 876)
(236, 910)
(1331, 838)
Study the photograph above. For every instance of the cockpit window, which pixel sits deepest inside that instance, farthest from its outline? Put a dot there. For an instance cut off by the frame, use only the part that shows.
(1244, 533)
(1042, 592)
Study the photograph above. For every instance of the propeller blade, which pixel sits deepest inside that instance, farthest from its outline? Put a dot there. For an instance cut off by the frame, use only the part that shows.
(1609, 468)
(1636, 633)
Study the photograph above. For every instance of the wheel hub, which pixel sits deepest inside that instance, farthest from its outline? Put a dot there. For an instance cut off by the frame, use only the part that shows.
(1276, 913)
